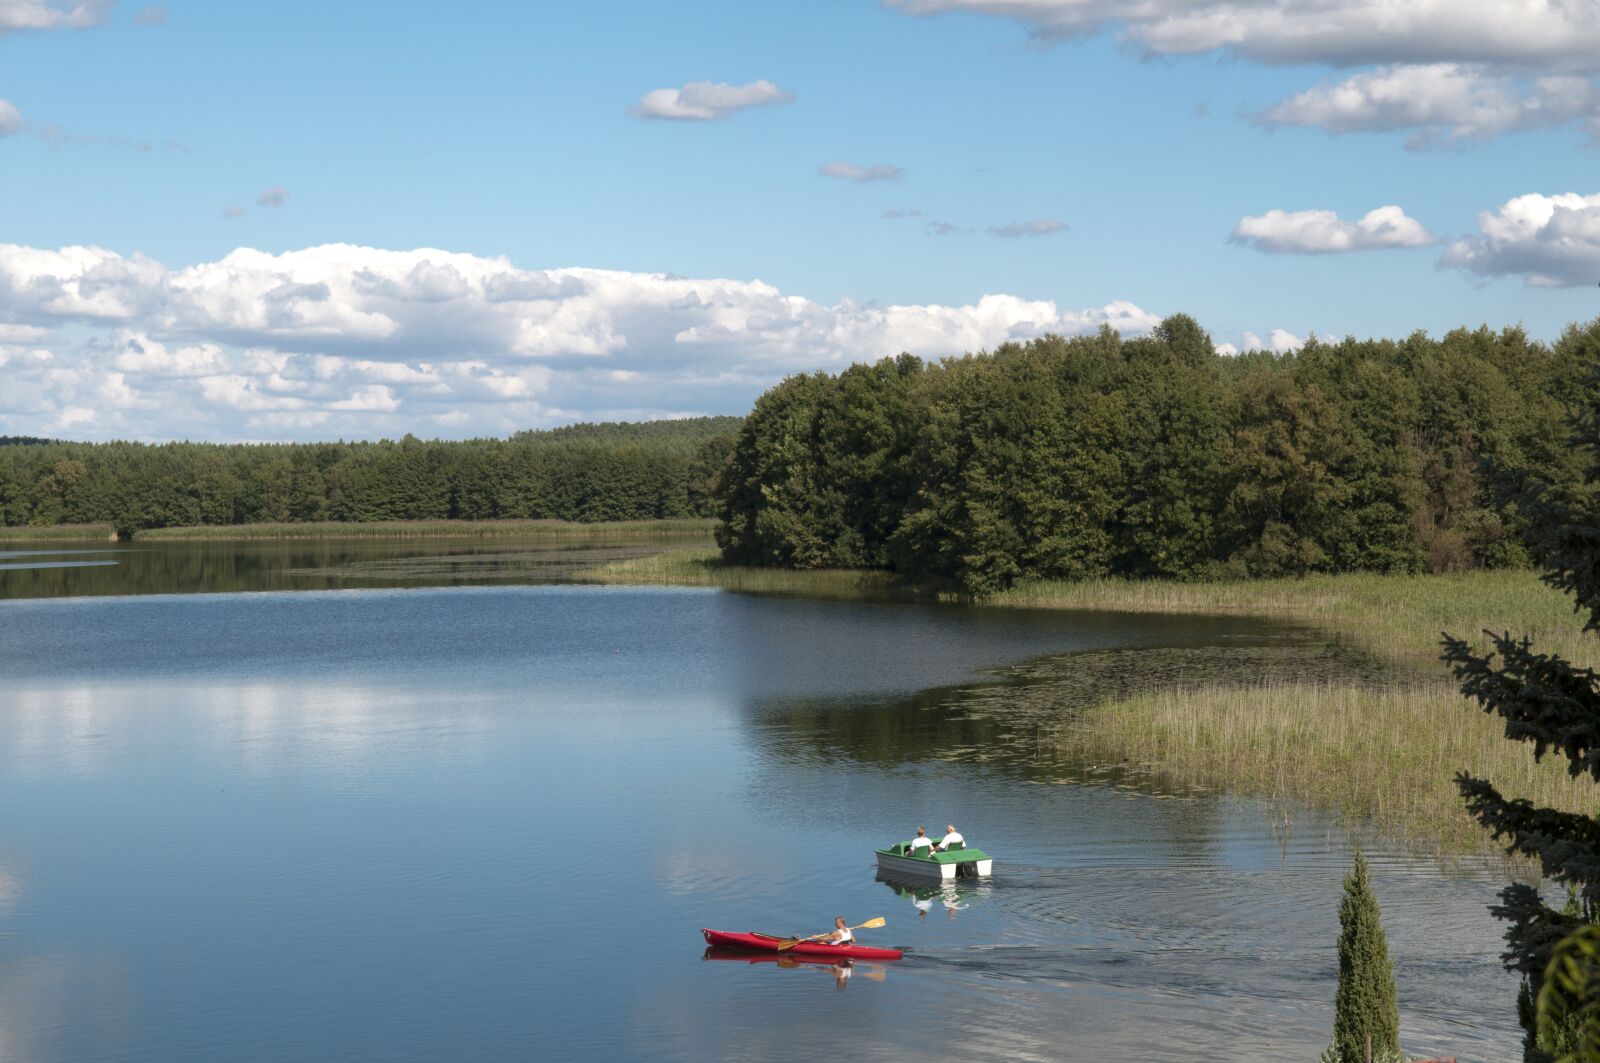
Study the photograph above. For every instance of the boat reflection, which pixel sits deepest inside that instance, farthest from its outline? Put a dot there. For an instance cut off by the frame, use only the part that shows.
(842, 970)
(954, 895)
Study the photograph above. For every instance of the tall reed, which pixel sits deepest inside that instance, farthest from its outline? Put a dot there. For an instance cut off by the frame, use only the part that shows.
(431, 529)
(1386, 755)
(58, 533)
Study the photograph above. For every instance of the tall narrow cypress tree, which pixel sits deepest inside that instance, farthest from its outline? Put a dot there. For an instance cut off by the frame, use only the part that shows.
(1365, 1008)
(1555, 706)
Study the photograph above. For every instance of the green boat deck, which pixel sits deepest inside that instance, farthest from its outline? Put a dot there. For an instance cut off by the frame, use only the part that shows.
(961, 854)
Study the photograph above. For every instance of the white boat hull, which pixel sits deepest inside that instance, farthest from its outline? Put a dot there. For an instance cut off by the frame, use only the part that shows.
(902, 865)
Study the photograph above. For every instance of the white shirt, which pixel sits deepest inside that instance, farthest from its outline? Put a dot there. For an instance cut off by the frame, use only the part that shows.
(920, 843)
(951, 839)
(844, 938)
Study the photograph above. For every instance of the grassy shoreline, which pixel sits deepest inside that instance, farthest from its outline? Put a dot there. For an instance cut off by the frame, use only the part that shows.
(428, 529)
(1386, 756)
(58, 533)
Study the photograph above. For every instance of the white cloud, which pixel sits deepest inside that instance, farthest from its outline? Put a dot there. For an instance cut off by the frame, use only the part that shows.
(151, 15)
(1551, 241)
(276, 196)
(849, 171)
(362, 341)
(1447, 70)
(1036, 227)
(705, 100)
(1529, 34)
(138, 353)
(52, 14)
(1279, 341)
(10, 118)
(1438, 102)
(1317, 232)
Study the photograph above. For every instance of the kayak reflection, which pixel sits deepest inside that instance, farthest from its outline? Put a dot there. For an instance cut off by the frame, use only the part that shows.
(842, 970)
(953, 895)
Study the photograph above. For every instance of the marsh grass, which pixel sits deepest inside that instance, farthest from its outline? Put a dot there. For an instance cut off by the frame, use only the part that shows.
(432, 529)
(1383, 753)
(702, 567)
(1388, 756)
(58, 533)
(1395, 617)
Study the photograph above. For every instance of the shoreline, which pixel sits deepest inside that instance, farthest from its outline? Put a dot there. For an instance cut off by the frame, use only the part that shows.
(1385, 756)
(335, 530)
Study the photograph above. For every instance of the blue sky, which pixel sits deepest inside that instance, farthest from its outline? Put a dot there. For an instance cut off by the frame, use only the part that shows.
(427, 160)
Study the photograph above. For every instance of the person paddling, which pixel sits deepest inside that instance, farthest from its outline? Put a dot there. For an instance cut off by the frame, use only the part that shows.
(842, 935)
(951, 838)
(921, 841)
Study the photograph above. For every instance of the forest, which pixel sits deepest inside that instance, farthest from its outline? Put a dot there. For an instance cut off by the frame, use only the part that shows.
(1157, 457)
(585, 472)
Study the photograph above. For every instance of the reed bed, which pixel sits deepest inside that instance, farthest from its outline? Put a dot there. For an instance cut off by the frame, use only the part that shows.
(702, 567)
(58, 533)
(1388, 756)
(1385, 753)
(432, 529)
(1396, 617)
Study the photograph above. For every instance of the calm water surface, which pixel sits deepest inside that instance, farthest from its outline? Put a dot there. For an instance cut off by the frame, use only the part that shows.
(488, 823)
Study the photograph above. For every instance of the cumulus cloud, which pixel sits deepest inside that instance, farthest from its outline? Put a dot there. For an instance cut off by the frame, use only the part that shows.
(701, 101)
(1438, 103)
(360, 341)
(1278, 341)
(10, 118)
(1536, 34)
(1021, 229)
(1447, 70)
(849, 171)
(1321, 232)
(276, 196)
(52, 14)
(1551, 241)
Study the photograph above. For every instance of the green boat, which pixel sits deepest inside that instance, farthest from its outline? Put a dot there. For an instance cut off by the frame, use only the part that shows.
(959, 861)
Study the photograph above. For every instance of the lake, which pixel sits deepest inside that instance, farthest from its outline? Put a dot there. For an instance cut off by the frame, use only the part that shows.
(487, 821)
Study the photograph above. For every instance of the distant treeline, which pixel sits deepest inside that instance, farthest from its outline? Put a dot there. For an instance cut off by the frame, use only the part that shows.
(587, 472)
(1156, 457)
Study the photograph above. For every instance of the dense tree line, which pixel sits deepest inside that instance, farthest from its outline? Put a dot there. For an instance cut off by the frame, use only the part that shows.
(1553, 705)
(582, 473)
(1155, 456)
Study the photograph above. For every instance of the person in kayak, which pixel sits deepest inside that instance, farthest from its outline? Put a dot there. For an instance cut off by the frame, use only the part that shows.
(921, 841)
(950, 838)
(842, 934)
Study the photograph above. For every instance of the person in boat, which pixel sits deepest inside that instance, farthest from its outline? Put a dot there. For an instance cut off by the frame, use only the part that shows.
(921, 841)
(951, 837)
(842, 934)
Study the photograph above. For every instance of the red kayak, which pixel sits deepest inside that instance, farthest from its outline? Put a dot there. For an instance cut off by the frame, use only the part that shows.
(767, 943)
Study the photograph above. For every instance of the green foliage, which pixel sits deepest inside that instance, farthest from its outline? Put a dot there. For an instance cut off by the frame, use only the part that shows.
(1554, 706)
(1366, 1011)
(1567, 1016)
(1154, 457)
(608, 472)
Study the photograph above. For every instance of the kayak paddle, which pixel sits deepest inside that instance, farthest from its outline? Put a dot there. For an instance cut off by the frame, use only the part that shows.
(870, 924)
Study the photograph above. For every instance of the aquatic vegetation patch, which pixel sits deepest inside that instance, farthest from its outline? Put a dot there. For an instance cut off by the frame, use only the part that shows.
(1386, 755)
(433, 529)
(58, 533)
